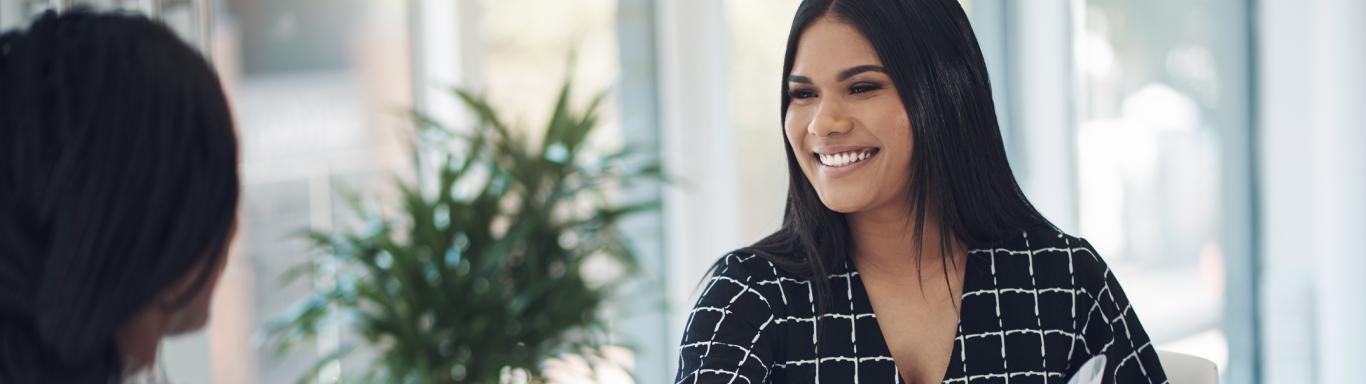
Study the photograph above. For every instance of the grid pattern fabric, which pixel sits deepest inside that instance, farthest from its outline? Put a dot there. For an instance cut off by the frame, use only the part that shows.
(1034, 309)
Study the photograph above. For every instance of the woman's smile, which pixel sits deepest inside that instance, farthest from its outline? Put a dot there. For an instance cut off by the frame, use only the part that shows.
(841, 161)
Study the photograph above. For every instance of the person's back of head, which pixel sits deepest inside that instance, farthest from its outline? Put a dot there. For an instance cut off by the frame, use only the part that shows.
(118, 194)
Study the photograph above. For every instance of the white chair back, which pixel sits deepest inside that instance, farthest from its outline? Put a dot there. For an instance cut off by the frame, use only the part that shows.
(1187, 369)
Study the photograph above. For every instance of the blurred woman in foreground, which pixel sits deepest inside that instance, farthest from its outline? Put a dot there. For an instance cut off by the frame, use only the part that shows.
(118, 195)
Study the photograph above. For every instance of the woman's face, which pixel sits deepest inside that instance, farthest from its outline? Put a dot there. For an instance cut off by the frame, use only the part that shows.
(195, 314)
(140, 334)
(845, 121)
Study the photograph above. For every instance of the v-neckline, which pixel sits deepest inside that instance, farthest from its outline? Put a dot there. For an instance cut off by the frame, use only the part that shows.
(863, 302)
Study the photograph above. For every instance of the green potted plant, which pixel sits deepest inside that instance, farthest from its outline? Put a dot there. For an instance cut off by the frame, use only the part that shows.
(480, 273)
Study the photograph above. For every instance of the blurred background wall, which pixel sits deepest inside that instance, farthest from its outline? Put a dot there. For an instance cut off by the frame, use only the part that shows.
(1212, 150)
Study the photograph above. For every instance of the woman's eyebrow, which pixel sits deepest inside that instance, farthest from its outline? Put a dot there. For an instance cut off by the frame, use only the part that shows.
(843, 75)
(846, 74)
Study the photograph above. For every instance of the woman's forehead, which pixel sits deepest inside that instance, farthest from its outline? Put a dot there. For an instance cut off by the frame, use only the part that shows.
(829, 46)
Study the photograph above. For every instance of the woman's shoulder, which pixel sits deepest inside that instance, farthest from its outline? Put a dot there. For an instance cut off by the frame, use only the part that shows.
(1045, 254)
(740, 264)
(1037, 239)
(755, 276)
(747, 266)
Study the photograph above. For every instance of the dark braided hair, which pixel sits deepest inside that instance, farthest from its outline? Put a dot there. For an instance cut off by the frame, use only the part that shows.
(118, 178)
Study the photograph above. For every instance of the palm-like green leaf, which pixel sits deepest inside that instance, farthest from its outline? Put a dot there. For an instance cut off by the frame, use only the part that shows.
(482, 271)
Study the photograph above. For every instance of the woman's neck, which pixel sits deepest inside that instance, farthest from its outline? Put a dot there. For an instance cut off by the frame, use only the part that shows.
(884, 245)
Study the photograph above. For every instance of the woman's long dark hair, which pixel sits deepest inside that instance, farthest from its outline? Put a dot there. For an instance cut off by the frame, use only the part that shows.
(118, 178)
(959, 173)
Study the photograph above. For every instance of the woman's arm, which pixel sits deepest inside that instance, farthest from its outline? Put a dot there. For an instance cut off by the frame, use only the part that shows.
(1110, 326)
(728, 335)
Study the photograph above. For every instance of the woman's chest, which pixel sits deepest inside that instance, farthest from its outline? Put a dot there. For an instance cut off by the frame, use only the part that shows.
(918, 325)
(1026, 333)
(853, 345)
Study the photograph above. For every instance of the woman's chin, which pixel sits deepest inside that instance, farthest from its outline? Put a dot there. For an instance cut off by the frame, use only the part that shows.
(844, 204)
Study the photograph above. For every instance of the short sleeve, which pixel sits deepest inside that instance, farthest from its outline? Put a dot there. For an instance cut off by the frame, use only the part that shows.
(729, 334)
(1111, 327)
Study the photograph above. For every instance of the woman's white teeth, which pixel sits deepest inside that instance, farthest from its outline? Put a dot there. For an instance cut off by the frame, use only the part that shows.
(844, 158)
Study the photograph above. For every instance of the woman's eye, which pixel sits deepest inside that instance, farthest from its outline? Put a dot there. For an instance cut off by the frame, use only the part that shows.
(801, 94)
(861, 88)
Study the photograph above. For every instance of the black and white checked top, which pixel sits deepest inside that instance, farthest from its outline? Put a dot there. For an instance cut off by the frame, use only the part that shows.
(1034, 309)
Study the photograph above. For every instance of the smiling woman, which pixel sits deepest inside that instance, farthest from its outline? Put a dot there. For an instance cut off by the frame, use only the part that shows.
(907, 252)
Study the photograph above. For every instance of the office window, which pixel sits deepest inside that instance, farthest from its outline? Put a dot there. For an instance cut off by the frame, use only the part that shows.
(1151, 109)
